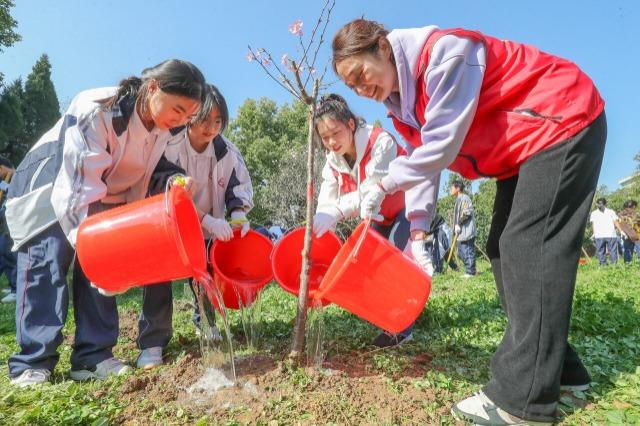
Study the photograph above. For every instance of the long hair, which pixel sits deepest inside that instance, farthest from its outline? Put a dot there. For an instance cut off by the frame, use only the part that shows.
(174, 76)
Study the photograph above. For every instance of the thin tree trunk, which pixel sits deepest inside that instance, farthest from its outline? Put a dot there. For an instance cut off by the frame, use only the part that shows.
(301, 317)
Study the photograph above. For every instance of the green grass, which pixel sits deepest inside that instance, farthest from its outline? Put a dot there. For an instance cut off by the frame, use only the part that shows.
(459, 330)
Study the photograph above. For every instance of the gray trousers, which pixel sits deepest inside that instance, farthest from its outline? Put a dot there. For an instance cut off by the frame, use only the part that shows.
(534, 246)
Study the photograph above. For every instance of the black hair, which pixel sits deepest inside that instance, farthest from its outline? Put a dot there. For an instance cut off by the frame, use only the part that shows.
(174, 76)
(601, 202)
(458, 184)
(212, 98)
(335, 107)
(630, 204)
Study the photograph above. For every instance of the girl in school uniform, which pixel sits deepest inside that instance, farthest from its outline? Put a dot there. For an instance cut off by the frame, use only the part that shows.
(221, 182)
(358, 158)
(485, 107)
(100, 154)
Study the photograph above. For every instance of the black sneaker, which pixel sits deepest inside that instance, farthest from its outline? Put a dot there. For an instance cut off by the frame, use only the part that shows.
(387, 340)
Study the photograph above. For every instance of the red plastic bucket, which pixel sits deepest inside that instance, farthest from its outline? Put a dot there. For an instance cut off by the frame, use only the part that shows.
(145, 242)
(241, 267)
(371, 278)
(286, 260)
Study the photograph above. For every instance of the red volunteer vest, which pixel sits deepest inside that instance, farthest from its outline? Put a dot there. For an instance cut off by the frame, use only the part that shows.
(392, 204)
(529, 101)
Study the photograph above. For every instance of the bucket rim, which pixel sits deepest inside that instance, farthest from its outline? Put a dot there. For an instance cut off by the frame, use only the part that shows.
(175, 192)
(277, 246)
(236, 233)
(360, 233)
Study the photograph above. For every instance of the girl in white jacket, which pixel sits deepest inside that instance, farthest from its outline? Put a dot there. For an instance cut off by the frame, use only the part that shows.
(222, 185)
(358, 158)
(101, 153)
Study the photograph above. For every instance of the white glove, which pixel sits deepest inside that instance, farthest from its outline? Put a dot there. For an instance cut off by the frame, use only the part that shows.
(218, 228)
(240, 217)
(421, 256)
(457, 229)
(623, 235)
(324, 221)
(370, 205)
(105, 292)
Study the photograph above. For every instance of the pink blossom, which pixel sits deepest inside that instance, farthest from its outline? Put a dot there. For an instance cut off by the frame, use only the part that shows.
(286, 62)
(250, 57)
(266, 62)
(296, 28)
(312, 70)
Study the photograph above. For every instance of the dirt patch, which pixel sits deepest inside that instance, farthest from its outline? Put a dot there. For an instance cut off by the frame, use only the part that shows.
(348, 389)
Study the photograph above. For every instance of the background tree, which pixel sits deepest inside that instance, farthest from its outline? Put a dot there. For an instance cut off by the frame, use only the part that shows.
(8, 37)
(272, 140)
(13, 143)
(40, 105)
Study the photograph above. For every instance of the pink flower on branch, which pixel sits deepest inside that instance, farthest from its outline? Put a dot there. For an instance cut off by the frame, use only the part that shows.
(266, 61)
(296, 28)
(250, 56)
(286, 62)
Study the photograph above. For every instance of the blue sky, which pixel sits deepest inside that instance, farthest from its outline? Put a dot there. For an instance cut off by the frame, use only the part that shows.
(95, 43)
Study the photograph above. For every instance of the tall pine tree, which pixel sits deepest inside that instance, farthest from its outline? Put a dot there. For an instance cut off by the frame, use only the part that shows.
(40, 106)
(13, 143)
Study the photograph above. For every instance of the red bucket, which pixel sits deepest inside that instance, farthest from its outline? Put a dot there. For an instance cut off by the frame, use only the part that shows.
(287, 260)
(241, 267)
(145, 242)
(371, 278)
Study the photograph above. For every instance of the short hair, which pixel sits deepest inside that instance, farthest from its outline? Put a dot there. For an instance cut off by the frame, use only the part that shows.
(601, 202)
(630, 204)
(212, 99)
(458, 184)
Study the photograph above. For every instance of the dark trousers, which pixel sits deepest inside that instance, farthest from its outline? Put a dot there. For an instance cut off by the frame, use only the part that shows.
(601, 249)
(42, 304)
(398, 233)
(467, 253)
(154, 324)
(534, 246)
(8, 261)
(628, 247)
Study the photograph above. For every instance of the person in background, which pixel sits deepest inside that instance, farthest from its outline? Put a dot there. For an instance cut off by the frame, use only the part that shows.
(464, 228)
(604, 222)
(629, 225)
(358, 156)
(8, 258)
(222, 187)
(102, 153)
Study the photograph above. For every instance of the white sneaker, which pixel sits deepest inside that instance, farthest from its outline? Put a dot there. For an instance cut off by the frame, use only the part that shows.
(150, 358)
(109, 367)
(575, 388)
(467, 276)
(5, 290)
(9, 298)
(31, 377)
(480, 410)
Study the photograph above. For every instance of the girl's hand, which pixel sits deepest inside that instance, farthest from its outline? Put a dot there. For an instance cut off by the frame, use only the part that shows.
(186, 182)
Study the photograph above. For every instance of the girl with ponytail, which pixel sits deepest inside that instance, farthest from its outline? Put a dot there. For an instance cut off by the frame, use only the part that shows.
(101, 153)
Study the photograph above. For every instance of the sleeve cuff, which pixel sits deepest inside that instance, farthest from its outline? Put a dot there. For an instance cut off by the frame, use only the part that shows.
(390, 186)
(420, 222)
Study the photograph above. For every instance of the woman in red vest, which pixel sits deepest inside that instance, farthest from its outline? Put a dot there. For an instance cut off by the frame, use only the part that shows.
(485, 107)
(358, 158)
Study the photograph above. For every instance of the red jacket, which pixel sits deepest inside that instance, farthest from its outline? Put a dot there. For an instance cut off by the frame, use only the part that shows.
(529, 101)
(392, 204)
